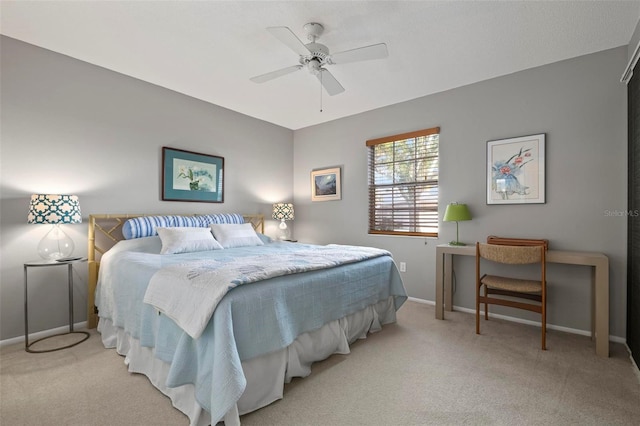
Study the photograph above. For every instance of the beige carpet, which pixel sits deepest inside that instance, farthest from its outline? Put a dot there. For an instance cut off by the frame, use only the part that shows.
(417, 372)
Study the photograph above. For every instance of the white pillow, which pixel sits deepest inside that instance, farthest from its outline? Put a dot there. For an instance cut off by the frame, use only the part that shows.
(236, 235)
(186, 240)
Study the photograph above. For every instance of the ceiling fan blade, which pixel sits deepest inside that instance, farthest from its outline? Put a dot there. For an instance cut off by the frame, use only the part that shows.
(329, 82)
(375, 51)
(286, 36)
(275, 74)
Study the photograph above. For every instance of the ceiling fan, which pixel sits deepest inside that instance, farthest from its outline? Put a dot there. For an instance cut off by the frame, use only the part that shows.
(315, 56)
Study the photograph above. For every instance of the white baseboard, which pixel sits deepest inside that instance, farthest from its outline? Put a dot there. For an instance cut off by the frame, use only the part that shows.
(423, 301)
(615, 339)
(82, 325)
(44, 333)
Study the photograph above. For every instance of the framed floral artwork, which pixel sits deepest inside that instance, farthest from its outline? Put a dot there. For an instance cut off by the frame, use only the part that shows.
(191, 176)
(325, 184)
(516, 170)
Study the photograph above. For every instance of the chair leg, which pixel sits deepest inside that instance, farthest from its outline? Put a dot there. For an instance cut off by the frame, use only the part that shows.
(477, 311)
(544, 328)
(486, 305)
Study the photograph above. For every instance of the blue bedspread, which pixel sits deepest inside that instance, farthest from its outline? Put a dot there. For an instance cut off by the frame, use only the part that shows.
(189, 293)
(251, 320)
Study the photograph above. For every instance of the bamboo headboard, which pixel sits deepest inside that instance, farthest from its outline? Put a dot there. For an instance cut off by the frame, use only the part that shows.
(105, 230)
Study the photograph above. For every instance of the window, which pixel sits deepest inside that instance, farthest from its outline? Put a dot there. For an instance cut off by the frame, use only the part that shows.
(403, 184)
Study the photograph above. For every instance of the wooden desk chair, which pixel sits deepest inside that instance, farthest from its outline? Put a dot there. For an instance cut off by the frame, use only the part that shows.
(522, 289)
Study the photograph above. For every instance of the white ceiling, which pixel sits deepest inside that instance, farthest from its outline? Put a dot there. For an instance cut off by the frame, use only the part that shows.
(210, 49)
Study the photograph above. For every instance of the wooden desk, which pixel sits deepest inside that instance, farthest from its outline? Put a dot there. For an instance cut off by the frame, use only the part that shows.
(599, 287)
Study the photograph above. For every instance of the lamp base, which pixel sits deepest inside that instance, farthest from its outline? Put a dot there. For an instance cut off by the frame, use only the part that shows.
(456, 243)
(55, 245)
(284, 231)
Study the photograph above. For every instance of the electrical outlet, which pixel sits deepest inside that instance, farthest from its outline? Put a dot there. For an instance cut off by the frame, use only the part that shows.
(403, 267)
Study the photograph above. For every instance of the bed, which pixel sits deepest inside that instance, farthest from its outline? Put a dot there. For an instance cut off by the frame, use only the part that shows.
(220, 327)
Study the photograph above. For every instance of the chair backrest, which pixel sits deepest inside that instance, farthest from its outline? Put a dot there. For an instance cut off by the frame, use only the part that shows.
(492, 239)
(514, 255)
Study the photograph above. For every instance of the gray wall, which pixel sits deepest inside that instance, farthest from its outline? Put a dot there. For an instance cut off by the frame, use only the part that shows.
(581, 106)
(71, 127)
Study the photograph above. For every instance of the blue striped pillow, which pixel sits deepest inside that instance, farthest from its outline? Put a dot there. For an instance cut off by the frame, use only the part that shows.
(219, 218)
(145, 226)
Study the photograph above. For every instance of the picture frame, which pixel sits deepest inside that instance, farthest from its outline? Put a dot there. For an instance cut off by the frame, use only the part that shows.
(192, 176)
(516, 170)
(326, 184)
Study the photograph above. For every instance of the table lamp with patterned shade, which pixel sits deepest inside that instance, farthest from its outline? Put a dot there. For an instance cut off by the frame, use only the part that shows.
(455, 213)
(55, 210)
(282, 212)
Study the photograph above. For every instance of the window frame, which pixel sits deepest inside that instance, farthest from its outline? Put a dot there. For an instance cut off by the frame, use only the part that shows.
(372, 186)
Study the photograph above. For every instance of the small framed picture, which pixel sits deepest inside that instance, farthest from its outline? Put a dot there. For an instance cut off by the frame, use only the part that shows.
(516, 170)
(325, 184)
(191, 176)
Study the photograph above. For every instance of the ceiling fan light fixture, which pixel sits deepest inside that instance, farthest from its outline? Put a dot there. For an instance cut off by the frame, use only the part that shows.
(314, 66)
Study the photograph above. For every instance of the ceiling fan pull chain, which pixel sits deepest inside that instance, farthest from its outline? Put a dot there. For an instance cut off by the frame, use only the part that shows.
(320, 91)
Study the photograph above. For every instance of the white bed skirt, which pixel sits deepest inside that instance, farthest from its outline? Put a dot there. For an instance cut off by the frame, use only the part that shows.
(266, 374)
